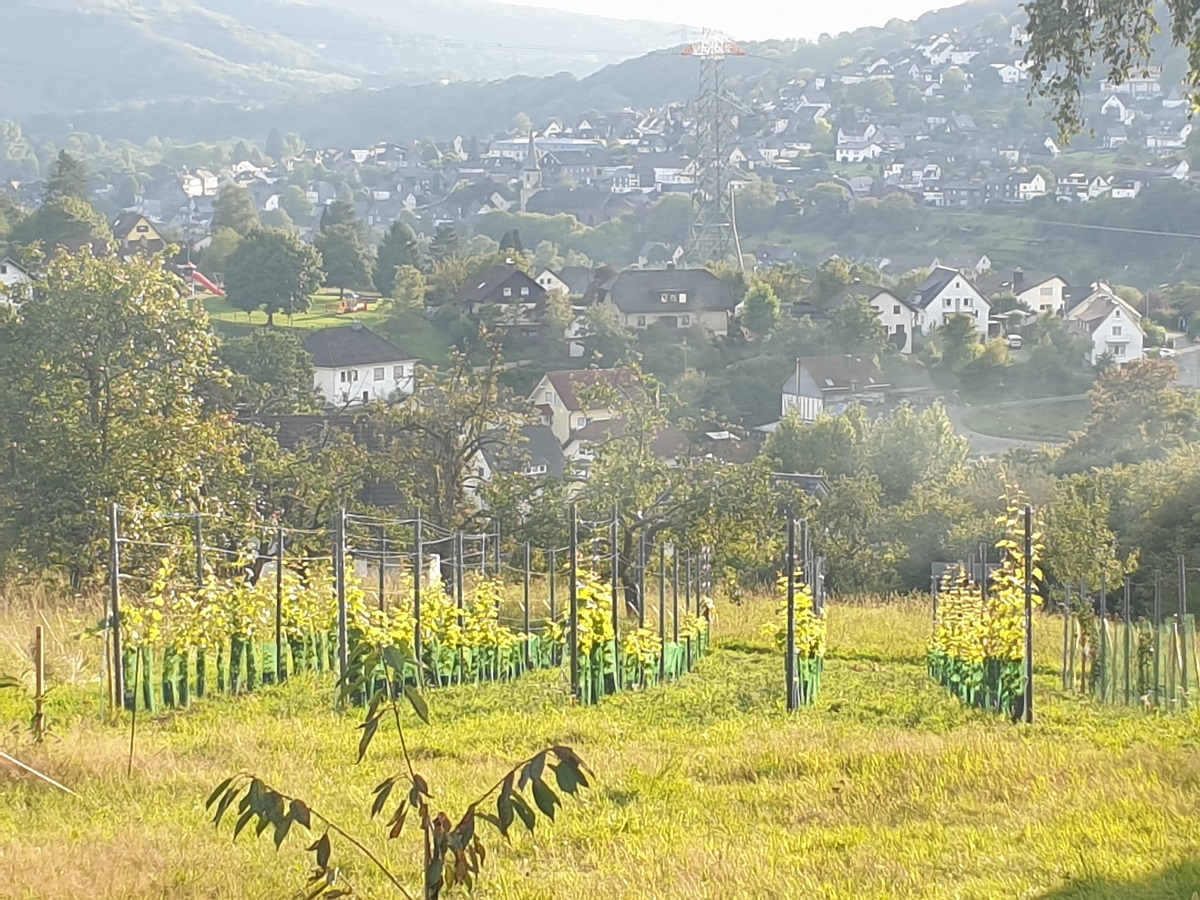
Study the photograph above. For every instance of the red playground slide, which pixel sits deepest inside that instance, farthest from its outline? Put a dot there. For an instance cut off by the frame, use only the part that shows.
(195, 275)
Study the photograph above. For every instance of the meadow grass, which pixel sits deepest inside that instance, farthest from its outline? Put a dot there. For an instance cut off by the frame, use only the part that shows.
(705, 788)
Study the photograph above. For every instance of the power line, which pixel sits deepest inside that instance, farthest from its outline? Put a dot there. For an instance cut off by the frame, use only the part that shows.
(1113, 228)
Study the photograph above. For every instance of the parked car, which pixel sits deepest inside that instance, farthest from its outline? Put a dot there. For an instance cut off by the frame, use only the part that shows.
(1014, 341)
(1167, 352)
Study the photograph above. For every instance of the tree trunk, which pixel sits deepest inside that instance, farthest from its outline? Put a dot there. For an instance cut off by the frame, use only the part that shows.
(630, 574)
(270, 318)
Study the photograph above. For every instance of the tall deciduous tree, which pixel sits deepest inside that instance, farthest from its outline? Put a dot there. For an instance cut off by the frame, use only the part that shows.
(345, 260)
(105, 371)
(276, 147)
(296, 203)
(340, 212)
(63, 221)
(68, 178)
(398, 248)
(234, 209)
(272, 271)
(761, 311)
(272, 372)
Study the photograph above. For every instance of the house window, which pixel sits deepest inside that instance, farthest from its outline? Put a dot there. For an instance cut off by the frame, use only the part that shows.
(549, 397)
(142, 229)
(524, 292)
(641, 320)
(580, 421)
(379, 373)
(1119, 350)
(1045, 307)
(946, 303)
(1047, 292)
(684, 321)
(967, 302)
(398, 373)
(366, 396)
(345, 397)
(682, 297)
(663, 297)
(896, 310)
(1116, 330)
(508, 292)
(957, 285)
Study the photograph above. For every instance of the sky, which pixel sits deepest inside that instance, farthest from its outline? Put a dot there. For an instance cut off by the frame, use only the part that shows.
(755, 19)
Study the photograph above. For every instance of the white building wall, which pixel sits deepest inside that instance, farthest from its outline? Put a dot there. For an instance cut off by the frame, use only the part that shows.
(957, 298)
(808, 408)
(1120, 336)
(355, 385)
(893, 314)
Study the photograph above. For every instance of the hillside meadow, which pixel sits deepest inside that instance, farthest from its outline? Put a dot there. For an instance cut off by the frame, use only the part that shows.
(704, 788)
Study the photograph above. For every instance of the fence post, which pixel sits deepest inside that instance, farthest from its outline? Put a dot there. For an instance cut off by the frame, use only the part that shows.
(553, 599)
(460, 572)
(1103, 637)
(789, 649)
(418, 574)
(382, 566)
(1028, 715)
(1183, 643)
(642, 580)
(687, 602)
(528, 636)
(201, 654)
(616, 607)
(573, 594)
(1125, 614)
(675, 595)
(1067, 652)
(339, 574)
(279, 667)
(39, 685)
(114, 605)
(1157, 634)
(662, 611)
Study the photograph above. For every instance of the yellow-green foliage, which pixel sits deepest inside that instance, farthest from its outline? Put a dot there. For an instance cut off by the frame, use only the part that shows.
(810, 627)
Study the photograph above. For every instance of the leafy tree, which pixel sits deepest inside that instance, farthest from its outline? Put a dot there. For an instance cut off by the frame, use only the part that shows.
(105, 369)
(444, 245)
(854, 327)
(547, 256)
(276, 148)
(1080, 544)
(340, 212)
(954, 83)
(345, 259)
(605, 339)
(398, 248)
(279, 219)
(558, 315)
(511, 241)
(63, 221)
(272, 271)
(409, 288)
(214, 257)
(128, 190)
(272, 372)
(760, 313)
(68, 178)
(431, 445)
(832, 276)
(296, 203)
(1068, 42)
(755, 203)
(1137, 413)
(234, 209)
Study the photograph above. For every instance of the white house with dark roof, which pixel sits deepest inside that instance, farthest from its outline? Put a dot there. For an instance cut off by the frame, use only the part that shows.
(557, 398)
(13, 280)
(354, 365)
(948, 292)
(896, 315)
(828, 384)
(1112, 325)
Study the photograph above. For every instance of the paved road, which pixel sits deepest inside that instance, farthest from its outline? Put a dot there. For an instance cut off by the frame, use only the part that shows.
(1188, 361)
(986, 444)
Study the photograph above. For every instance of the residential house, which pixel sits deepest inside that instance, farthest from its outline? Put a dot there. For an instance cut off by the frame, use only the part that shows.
(669, 444)
(828, 384)
(949, 292)
(1138, 83)
(135, 233)
(557, 398)
(1017, 187)
(354, 365)
(857, 151)
(1007, 73)
(1115, 136)
(1126, 190)
(671, 297)
(897, 316)
(519, 297)
(591, 207)
(14, 279)
(1042, 293)
(1081, 187)
(537, 454)
(1112, 326)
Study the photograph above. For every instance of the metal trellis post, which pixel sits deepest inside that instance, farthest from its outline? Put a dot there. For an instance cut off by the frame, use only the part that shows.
(1028, 714)
(573, 595)
(114, 605)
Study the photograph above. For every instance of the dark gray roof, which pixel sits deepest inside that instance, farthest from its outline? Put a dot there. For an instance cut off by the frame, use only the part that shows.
(488, 285)
(352, 345)
(538, 447)
(836, 373)
(641, 291)
(929, 289)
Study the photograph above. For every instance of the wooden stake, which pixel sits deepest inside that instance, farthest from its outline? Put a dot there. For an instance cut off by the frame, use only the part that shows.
(39, 675)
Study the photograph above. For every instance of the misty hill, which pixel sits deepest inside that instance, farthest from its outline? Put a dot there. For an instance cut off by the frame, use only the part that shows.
(62, 56)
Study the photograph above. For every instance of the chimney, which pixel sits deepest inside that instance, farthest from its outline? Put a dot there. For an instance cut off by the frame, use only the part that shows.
(510, 262)
(1018, 279)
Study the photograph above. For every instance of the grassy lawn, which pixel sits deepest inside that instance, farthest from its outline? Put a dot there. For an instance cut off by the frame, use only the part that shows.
(1051, 419)
(410, 329)
(887, 787)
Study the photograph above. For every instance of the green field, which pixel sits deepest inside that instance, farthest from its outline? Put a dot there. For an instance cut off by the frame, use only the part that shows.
(411, 329)
(703, 789)
(1051, 419)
